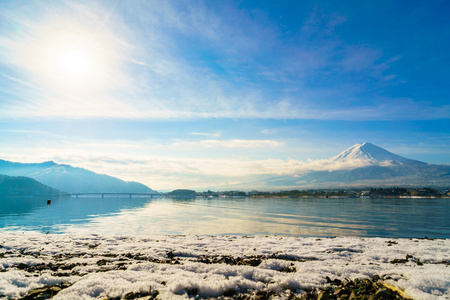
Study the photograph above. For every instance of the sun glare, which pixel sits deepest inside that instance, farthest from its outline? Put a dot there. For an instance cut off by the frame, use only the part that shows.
(73, 60)
(75, 63)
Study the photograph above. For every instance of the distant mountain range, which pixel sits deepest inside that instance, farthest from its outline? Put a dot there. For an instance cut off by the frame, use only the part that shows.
(71, 179)
(24, 186)
(365, 165)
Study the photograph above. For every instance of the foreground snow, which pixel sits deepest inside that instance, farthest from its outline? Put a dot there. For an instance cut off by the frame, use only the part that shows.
(112, 266)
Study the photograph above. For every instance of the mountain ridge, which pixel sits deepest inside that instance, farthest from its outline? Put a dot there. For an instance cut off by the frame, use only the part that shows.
(364, 165)
(70, 179)
(373, 154)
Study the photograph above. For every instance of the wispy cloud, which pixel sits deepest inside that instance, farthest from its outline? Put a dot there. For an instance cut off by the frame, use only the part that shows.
(192, 61)
(217, 134)
(269, 131)
(439, 138)
(231, 144)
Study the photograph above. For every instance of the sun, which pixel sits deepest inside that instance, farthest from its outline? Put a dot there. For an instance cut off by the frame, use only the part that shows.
(64, 57)
(72, 62)
(75, 59)
(75, 63)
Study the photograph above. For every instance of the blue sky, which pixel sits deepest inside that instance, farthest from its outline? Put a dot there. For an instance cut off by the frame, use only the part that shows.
(194, 94)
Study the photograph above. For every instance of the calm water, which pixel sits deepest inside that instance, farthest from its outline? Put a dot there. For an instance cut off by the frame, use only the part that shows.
(296, 217)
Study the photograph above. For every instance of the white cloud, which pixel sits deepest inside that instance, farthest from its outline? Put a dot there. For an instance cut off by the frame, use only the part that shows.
(231, 144)
(217, 134)
(269, 131)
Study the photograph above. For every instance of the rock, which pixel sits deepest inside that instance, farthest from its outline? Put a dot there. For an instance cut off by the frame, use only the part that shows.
(343, 293)
(192, 292)
(324, 296)
(334, 282)
(151, 294)
(289, 269)
(375, 278)
(170, 254)
(229, 293)
(254, 262)
(262, 295)
(93, 246)
(382, 294)
(401, 261)
(22, 266)
(45, 292)
(133, 295)
(102, 262)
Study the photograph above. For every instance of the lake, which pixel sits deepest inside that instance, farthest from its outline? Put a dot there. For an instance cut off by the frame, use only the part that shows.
(364, 217)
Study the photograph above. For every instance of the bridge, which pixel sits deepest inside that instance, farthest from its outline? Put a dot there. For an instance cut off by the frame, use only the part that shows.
(151, 195)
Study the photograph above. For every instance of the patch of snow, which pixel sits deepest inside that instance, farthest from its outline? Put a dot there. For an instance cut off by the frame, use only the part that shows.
(173, 264)
(371, 154)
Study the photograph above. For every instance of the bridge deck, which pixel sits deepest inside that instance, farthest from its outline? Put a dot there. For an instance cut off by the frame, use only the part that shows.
(151, 195)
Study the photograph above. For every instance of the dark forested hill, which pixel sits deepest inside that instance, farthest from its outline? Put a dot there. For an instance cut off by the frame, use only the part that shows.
(24, 186)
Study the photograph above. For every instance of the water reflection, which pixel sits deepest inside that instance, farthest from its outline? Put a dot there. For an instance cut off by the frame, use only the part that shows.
(296, 217)
(33, 213)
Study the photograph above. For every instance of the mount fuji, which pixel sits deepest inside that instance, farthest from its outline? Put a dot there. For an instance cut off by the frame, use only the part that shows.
(373, 155)
(364, 165)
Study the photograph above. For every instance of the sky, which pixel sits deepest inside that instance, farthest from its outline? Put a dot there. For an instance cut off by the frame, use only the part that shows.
(200, 94)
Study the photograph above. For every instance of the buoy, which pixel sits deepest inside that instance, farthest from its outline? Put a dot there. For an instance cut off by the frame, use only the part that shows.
(49, 202)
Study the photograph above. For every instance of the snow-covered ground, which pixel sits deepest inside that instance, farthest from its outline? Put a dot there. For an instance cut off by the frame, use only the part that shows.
(99, 266)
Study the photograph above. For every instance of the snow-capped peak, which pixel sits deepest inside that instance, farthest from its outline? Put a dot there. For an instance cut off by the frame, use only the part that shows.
(371, 154)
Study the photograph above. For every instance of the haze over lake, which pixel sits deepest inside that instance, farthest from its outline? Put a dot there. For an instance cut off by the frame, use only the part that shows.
(365, 217)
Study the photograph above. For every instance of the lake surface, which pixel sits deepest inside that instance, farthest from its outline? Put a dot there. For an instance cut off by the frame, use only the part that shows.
(405, 218)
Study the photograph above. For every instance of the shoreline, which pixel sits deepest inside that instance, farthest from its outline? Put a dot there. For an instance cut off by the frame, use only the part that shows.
(220, 267)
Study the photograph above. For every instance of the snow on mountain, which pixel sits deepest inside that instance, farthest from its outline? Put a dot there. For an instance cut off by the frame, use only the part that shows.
(372, 155)
(362, 165)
